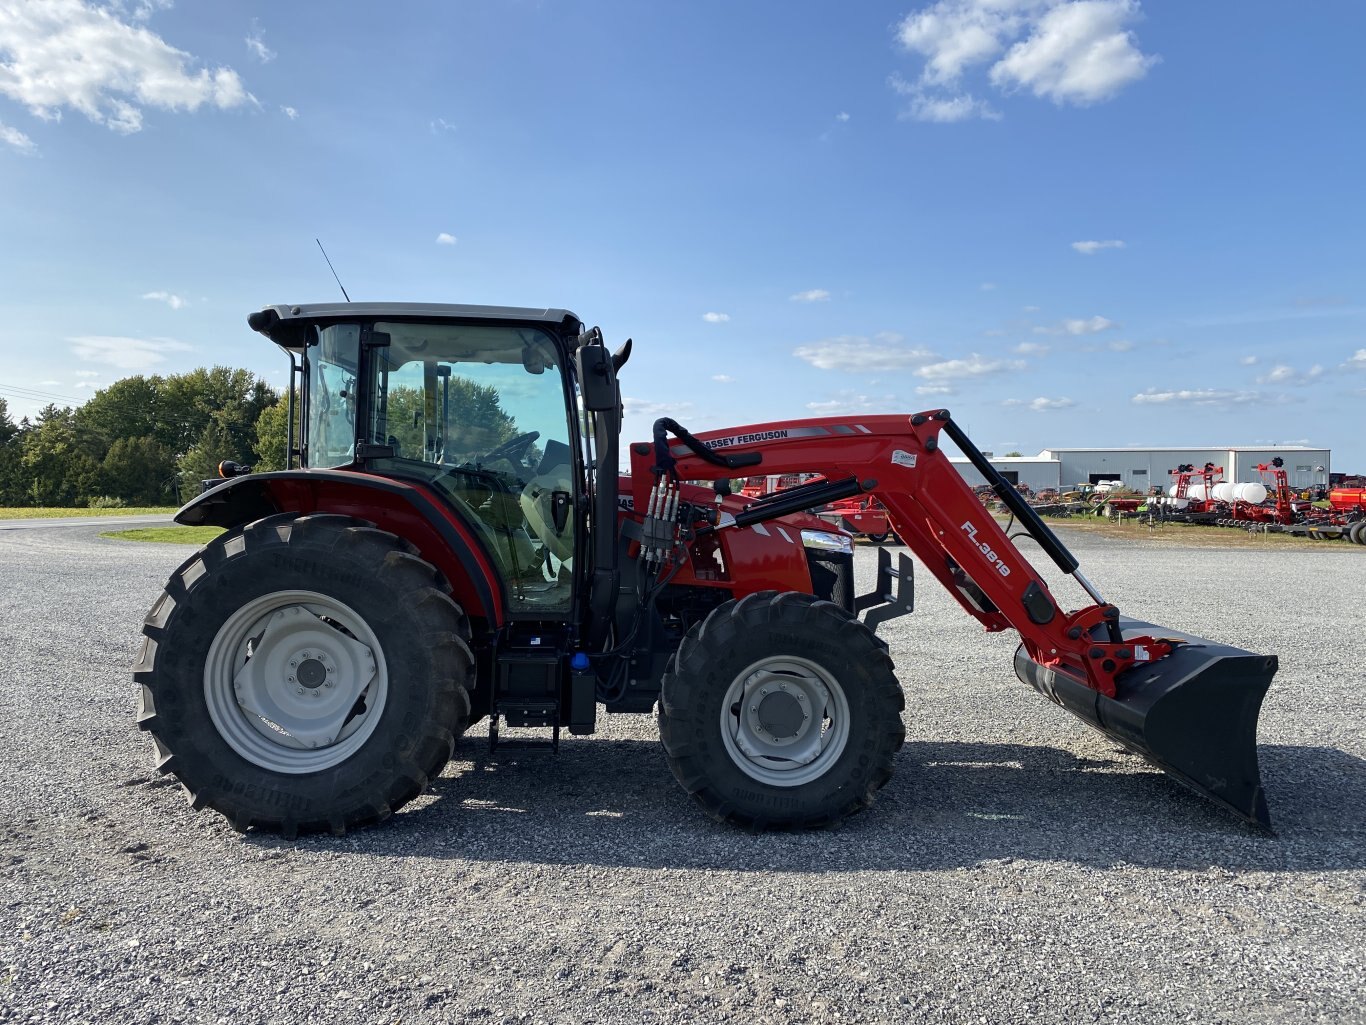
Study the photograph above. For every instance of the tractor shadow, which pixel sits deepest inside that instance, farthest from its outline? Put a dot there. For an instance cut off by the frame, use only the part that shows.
(949, 805)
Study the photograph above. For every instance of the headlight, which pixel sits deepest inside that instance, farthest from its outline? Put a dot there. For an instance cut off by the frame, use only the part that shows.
(827, 541)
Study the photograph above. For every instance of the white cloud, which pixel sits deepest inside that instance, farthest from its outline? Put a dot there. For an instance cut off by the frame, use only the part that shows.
(440, 124)
(1069, 51)
(1078, 52)
(987, 286)
(841, 116)
(1122, 345)
(716, 318)
(1091, 248)
(814, 295)
(1357, 362)
(1032, 349)
(18, 140)
(723, 378)
(940, 109)
(87, 373)
(846, 402)
(934, 389)
(143, 9)
(1249, 361)
(92, 385)
(648, 407)
(1198, 397)
(70, 53)
(290, 113)
(124, 353)
(973, 366)
(446, 239)
(854, 353)
(1030, 309)
(953, 35)
(1078, 326)
(175, 302)
(256, 44)
(1282, 374)
(1041, 404)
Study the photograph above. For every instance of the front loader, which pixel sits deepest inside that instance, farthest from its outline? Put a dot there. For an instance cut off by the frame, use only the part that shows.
(456, 544)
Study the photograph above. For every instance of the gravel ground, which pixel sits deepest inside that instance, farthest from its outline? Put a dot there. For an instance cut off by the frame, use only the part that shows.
(1017, 868)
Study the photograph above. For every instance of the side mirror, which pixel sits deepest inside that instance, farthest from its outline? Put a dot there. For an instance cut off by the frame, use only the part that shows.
(597, 379)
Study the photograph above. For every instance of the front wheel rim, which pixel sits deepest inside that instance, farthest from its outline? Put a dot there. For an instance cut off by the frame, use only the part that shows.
(785, 721)
(295, 682)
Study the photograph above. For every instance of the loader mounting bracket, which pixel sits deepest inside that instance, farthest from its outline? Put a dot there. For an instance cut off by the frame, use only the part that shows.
(885, 600)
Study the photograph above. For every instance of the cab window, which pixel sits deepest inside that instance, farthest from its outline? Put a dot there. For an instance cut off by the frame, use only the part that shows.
(480, 412)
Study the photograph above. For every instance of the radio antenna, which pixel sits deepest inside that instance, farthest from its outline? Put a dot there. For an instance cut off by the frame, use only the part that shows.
(333, 270)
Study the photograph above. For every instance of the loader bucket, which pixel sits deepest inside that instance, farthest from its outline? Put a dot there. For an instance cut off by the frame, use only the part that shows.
(1192, 714)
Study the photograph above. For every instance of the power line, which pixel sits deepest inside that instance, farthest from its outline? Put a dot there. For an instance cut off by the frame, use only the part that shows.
(34, 394)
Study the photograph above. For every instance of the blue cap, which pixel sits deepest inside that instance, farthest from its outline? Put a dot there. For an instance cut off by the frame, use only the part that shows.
(579, 663)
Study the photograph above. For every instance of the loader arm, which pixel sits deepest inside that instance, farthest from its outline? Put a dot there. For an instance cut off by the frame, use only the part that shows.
(900, 460)
(1188, 705)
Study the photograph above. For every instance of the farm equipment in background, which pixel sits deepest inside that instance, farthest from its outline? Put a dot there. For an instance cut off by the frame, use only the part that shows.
(457, 544)
(1284, 503)
(861, 516)
(758, 487)
(858, 516)
(1349, 506)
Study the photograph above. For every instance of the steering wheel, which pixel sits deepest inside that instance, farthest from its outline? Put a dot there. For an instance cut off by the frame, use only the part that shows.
(512, 450)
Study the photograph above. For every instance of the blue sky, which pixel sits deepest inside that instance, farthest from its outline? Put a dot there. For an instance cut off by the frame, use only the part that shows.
(1068, 221)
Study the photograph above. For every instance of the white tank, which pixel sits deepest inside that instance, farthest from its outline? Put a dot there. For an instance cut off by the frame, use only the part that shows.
(1253, 494)
(1171, 491)
(1223, 491)
(1196, 492)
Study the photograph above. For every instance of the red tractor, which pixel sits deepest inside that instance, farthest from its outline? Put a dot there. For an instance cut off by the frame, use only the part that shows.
(456, 545)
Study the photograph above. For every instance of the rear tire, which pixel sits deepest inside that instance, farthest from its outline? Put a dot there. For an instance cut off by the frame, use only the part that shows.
(1358, 533)
(781, 711)
(305, 674)
(879, 539)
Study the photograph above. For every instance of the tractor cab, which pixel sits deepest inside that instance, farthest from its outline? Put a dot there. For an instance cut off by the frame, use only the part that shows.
(479, 405)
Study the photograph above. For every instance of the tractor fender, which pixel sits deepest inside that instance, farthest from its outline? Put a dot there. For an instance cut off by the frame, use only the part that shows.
(406, 509)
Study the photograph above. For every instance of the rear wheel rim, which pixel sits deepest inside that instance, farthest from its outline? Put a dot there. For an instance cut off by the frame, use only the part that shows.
(785, 721)
(295, 682)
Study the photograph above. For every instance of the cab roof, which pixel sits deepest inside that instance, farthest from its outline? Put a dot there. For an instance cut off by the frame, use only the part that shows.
(282, 323)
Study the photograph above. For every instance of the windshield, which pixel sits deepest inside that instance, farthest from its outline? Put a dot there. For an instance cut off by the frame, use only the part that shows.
(480, 412)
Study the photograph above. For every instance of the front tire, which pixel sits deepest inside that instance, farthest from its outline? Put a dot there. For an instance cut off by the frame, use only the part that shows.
(305, 674)
(781, 711)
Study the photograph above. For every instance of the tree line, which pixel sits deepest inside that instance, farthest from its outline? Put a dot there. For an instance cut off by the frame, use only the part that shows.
(142, 440)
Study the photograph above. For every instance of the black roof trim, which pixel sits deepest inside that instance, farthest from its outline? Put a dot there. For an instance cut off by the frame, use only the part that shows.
(276, 321)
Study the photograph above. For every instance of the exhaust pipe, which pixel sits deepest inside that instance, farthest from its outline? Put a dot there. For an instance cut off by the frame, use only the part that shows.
(1192, 714)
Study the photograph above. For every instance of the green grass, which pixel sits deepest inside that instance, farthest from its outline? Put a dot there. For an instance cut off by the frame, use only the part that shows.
(52, 512)
(167, 535)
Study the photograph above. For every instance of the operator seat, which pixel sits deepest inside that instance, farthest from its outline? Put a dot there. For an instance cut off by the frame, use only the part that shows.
(554, 475)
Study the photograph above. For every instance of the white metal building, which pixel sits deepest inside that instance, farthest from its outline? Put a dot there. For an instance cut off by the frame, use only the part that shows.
(1039, 472)
(1141, 467)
